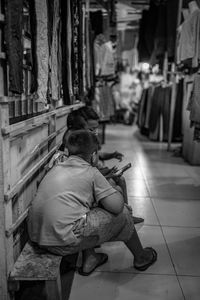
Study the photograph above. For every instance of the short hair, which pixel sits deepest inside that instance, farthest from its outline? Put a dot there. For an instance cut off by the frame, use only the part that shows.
(88, 113)
(76, 121)
(82, 142)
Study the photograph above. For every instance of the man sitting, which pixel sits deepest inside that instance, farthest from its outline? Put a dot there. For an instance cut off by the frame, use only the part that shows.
(76, 209)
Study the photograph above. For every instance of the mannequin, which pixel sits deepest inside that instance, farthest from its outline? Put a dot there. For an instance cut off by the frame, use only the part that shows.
(193, 6)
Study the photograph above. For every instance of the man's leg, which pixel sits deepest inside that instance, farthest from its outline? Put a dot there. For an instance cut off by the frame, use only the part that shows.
(122, 183)
(91, 260)
(143, 257)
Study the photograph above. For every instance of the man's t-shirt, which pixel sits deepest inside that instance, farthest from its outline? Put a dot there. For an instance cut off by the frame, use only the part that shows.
(66, 194)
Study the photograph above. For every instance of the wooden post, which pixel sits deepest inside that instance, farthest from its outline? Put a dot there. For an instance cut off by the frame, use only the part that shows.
(173, 76)
(3, 246)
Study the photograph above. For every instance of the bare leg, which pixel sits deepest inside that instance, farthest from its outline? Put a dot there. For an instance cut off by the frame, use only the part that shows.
(91, 260)
(122, 183)
(142, 256)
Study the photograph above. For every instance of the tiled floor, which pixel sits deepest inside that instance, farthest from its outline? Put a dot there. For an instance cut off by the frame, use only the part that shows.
(165, 190)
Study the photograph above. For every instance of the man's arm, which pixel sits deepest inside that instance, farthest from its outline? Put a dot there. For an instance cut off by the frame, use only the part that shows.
(106, 155)
(107, 195)
(113, 203)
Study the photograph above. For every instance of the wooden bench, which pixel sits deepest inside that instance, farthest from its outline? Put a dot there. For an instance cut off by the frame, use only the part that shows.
(34, 264)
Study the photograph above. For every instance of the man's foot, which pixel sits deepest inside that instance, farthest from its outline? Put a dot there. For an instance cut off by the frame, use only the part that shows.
(92, 263)
(137, 220)
(148, 258)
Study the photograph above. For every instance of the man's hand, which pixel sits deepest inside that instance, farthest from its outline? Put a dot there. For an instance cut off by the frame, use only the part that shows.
(118, 155)
(111, 173)
(105, 171)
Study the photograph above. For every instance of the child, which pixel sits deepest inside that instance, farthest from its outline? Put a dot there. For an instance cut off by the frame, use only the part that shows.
(76, 209)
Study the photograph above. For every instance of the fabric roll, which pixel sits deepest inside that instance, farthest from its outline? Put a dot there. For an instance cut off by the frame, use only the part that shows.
(13, 36)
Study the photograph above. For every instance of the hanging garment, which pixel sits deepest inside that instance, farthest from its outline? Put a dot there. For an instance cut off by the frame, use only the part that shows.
(66, 40)
(54, 63)
(148, 106)
(103, 103)
(194, 104)
(34, 63)
(194, 107)
(189, 40)
(177, 124)
(142, 108)
(42, 49)
(13, 37)
(160, 108)
(98, 42)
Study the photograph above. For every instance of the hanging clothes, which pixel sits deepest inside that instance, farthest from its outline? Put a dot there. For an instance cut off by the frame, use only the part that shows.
(98, 42)
(42, 49)
(194, 107)
(107, 59)
(54, 48)
(103, 102)
(13, 37)
(142, 109)
(34, 62)
(66, 41)
(160, 109)
(189, 40)
(177, 124)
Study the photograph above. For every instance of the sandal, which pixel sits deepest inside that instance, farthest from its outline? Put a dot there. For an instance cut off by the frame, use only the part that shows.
(103, 260)
(137, 220)
(152, 261)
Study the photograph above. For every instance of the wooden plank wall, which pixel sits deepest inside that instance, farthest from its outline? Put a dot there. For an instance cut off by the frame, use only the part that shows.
(25, 149)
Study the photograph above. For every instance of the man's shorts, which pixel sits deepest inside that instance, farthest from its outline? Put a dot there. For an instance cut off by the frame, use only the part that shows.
(97, 227)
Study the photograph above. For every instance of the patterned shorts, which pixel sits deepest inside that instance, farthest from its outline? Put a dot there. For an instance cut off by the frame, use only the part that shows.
(97, 227)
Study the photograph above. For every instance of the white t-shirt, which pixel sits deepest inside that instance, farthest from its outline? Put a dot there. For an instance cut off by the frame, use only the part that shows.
(68, 191)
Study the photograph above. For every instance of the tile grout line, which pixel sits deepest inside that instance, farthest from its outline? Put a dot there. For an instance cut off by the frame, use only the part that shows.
(146, 182)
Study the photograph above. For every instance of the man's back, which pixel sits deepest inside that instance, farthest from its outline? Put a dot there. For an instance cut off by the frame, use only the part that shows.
(64, 196)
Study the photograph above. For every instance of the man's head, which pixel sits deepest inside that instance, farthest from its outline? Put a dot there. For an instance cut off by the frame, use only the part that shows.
(83, 144)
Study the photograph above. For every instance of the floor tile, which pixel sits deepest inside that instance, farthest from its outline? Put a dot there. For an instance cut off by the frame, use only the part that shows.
(163, 171)
(178, 213)
(113, 286)
(181, 188)
(184, 246)
(165, 190)
(133, 173)
(143, 207)
(121, 260)
(190, 287)
(137, 188)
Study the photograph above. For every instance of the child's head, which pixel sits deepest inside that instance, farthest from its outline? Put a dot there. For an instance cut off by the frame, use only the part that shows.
(76, 121)
(84, 144)
(91, 118)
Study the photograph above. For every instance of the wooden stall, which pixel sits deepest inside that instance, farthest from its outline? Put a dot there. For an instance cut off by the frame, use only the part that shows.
(31, 130)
